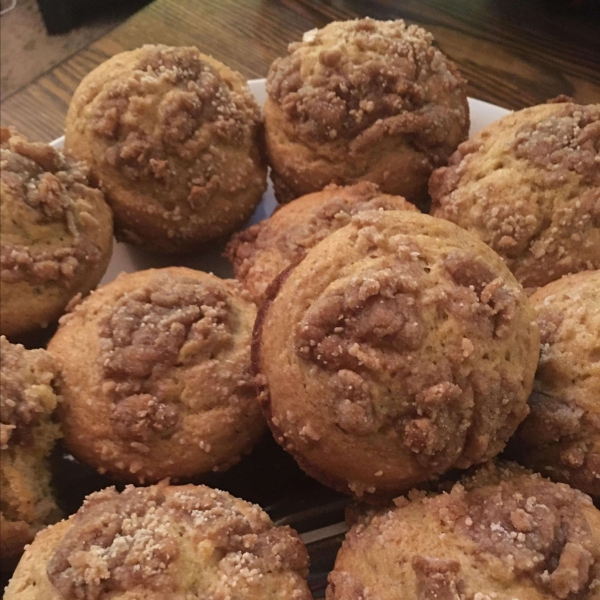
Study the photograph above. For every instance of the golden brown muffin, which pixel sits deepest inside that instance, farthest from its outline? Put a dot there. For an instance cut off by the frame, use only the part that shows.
(363, 100)
(164, 543)
(156, 375)
(263, 251)
(529, 186)
(28, 381)
(503, 534)
(174, 137)
(56, 233)
(399, 348)
(561, 436)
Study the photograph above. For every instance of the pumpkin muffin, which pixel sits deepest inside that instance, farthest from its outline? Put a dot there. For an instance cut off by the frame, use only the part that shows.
(261, 252)
(399, 348)
(55, 237)
(363, 100)
(502, 534)
(163, 543)
(529, 186)
(561, 436)
(174, 138)
(28, 432)
(156, 376)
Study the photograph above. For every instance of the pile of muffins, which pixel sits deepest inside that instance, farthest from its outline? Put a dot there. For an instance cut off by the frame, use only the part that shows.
(394, 354)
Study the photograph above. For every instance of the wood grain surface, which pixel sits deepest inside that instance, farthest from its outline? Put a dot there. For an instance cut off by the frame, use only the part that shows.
(514, 53)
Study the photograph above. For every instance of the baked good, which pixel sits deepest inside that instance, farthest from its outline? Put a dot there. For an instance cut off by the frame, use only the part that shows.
(529, 186)
(399, 348)
(163, 543)
(501, 534)
(56, 233)
(28, 432)
(156, 376)
(258, 254)
(174, 137)
(363, 100)
(561, 436)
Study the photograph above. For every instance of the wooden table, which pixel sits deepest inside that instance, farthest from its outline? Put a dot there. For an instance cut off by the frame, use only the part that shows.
(513, 52)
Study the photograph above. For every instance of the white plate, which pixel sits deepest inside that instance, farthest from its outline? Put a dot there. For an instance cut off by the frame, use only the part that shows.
(128, 258)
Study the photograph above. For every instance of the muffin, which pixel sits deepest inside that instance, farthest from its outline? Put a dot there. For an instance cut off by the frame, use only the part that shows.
(160, 543)
(363, 100)
(174, 138)
(264, 250)
(528, 185)
(561, 436)
(56, 233)
(28, 432)
(502, 534)
(156, 376)
(399, 348)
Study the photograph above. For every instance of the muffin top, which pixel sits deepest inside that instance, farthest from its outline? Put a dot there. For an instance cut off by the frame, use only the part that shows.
(529, 186)
(50, 216)
(166, 541)
(28, 381)
(501, 534)
(400, 347)
(173, 137)
(358, 80)
(261, 252)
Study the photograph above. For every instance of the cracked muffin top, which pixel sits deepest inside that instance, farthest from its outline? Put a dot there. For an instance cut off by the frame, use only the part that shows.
(561, 436)
(56, 233)
(261, 252)
(28, 432)
(529, 186)
(501, 534)
(399, 348)
(164, 542)
(357, 93)
(174, 137)
(164, 357)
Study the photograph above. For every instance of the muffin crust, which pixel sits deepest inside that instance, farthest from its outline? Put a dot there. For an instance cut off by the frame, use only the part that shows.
(166, 367)
(363, 100)
(529, 187)
(174, 137)
(56, 233)
(399, 348)
(261, 252)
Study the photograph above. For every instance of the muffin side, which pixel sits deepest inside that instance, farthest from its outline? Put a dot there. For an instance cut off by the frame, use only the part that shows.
(28, 433)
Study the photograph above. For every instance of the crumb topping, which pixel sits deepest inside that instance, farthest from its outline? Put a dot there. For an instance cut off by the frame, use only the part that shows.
(200, 110)
(46, 208)
(437, 579)
(358, 80)
(453, 399)
(537, 528)
(27, 394)
(566, 141)
(137, 540)
(149, 334)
